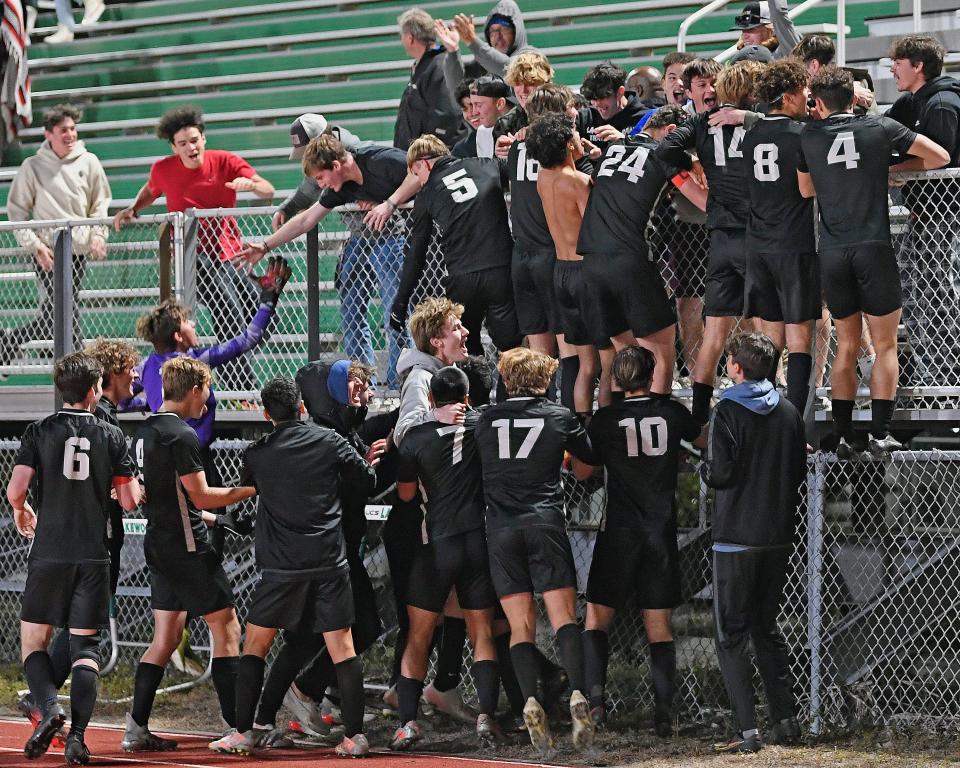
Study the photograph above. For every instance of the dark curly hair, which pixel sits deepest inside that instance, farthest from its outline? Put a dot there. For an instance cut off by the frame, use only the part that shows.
(921, 48)
(547, 139)
(815, 48)
(778, 78)
(603, 80)
(177, 119)
(669, 114)
(56, 114)
(281, 398)
(834, 87)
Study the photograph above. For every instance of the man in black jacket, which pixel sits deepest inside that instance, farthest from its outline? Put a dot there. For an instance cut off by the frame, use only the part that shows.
(612, 104)
(931, 107)
(427, 104)
(756, 461)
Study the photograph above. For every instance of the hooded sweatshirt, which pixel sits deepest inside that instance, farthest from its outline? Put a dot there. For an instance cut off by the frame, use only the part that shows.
(756, 460)
(415, 370)
(427, 104)
(47, 187)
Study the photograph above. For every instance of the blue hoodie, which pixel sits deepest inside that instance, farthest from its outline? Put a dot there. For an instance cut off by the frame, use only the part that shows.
(757, 396)
(337, 381)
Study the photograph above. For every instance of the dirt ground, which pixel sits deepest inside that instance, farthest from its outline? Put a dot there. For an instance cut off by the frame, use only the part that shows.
(628, 741)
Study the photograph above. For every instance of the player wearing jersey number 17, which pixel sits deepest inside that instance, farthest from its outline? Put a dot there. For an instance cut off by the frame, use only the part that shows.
(844, 161)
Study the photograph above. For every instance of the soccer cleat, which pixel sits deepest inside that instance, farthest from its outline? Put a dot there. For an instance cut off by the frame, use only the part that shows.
(330, 712)
(137, 738)
(846, 451)
(598, 715)
(512, 723)
(353, 746)
(539, 729)
(450, 703)
(738, 745)
(76, 752)
(882, 446)
(554, 686)
(271, 737)
(488, 730)
(390, 698)
(405, 736)
(235, 743)
(307, 711)
(26, 708)
(786, 732)
(43, 733)
(581, 722)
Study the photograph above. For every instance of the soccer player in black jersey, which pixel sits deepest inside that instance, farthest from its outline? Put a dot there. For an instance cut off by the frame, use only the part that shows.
(464, 196)
(301, 553)
(185, 573)
(844, 161)
(522, 443)
(638, 443)
(782, 285)
(442, 460)
(75, 459)
(721, 157)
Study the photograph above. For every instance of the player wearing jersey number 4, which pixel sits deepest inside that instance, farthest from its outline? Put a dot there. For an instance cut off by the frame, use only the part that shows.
(844, 161)
(75, 459)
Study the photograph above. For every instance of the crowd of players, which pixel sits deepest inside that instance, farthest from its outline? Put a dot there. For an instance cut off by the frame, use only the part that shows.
(599, 192)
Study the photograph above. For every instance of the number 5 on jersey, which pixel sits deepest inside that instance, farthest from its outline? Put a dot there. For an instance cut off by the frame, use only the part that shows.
(461, 186)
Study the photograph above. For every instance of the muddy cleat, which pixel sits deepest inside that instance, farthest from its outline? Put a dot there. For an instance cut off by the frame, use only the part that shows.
(450, 703)
(353, 746)
(539, 729)
(581, 722)
(307, 711)
(739, 745)
(883, 446)
(137, 738)
(405, 736)
(43, 733)
(598, 715)
(488, 730)
(271, 737)
(234, 743)
(786, 732)
(76, 752)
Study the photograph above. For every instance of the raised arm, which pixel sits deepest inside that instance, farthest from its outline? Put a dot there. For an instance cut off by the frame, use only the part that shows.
(298, 225)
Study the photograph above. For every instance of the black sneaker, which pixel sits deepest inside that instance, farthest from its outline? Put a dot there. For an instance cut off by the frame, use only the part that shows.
(882, 446)
(39, 741)
(76, 752)
(786, 732)
(739, 745)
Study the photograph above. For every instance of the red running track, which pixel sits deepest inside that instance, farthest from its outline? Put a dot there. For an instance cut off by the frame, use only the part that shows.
(104, 744)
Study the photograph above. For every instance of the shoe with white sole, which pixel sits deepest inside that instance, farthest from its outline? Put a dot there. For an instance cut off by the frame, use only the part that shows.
(93, 10)
(235, 743)
(539, 729)
(308, 712)
(137, 738)
(271, 737)
(581, 722)
(450, 703)
(353, 746)
(62, 35)
(405, 736)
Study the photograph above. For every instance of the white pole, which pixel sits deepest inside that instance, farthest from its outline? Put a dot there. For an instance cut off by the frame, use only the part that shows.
(916, 16)
(841, 33)
(696, 16)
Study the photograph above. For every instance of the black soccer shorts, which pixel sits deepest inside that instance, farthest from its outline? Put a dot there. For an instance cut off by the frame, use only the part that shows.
(641, 561)
(689, 248)
(532, 273)
(487, 296)
(320, 604)
(628, 295)
(575, 306)
(531, 559)
(725, 273)
(75, 595)
(860, 278)
(782, 287)
(459, 561)
(196, 584)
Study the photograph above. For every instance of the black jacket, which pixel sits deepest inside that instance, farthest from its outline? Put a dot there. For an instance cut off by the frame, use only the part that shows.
(428, 106)
(934, 112)
(757, 462)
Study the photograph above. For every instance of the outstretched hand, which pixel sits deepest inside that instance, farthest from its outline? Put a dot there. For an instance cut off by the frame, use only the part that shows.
(273, 280)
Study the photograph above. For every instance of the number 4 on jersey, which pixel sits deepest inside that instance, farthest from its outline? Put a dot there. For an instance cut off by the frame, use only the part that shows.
(632, 166)
(844, 150)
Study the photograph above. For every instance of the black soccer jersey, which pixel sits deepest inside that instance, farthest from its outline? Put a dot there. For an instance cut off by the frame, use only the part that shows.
(720, 152)
(626, 186)
(107, 411)
(445, 460)
(75, 456)
(848, 157)
(638, 443)
(522, 442)
(526, 209)
(781, 219)
(383, 169)
(167, 448)
(299, 470)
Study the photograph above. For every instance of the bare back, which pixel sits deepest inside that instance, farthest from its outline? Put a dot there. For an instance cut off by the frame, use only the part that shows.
(564, 192)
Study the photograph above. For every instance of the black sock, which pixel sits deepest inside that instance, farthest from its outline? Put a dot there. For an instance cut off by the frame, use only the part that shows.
(881, 413)
(249, 684)
(774, 367)
(59, 651)
(39, 672)
(571, 654)
(224, 674)
(486, 677)
(350, 682)
(508, 677)
(146, 682)
(799, 365)
(569, 368)
(450, 654)
(318, 674)
(408, 698)
(701, 401)
(596, 652)
(296, 651)
(551, 387)
(663, 677)
(842, 418)
(546, 667)
(524, 657)
(83, 695)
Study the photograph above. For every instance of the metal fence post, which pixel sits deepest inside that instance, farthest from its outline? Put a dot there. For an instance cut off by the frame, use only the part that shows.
(815, 485)
(62, 299)
(313, 294)
(188, 256)
(176, 248)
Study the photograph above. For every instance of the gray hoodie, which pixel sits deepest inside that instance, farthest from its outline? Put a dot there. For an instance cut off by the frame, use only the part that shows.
(415, 369)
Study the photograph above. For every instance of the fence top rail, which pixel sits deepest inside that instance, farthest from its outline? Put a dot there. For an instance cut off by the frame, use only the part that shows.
(212, 213)
(153, 218)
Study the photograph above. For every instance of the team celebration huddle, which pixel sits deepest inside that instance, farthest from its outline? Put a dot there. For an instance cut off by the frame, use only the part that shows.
(657, 236)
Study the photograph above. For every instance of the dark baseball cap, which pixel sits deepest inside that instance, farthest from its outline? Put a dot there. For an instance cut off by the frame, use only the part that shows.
(492, 86)
(304, 128)
(752, 53)
(752, 15)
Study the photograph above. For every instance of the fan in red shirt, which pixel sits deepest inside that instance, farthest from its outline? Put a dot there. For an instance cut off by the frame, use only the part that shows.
(197, 177)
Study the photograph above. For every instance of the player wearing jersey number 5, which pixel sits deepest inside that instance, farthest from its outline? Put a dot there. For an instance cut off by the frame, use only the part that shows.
(844, 161)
